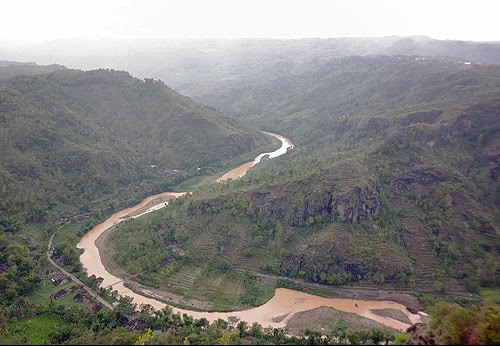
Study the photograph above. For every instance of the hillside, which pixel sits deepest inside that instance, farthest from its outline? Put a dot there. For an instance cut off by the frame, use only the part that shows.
(208, 70)
(393, 183)
(70, 139)
(9, 69)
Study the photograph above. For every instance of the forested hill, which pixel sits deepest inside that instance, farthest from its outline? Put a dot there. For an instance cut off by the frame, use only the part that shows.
(309, 103)
(9, 69)
(69, 136)
(394, 182)
(207, 68)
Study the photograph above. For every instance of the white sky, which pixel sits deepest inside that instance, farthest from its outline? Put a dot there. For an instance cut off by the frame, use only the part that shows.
(31, 20)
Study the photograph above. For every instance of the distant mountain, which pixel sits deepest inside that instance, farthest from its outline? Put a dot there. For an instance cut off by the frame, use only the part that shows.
(207, 69)
(68, 137)
(4, 63)
(9, 69)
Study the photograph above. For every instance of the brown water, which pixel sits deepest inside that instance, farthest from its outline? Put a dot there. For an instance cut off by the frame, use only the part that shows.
(236, 173)
(91, 259)
(285, 301)
(240, 171)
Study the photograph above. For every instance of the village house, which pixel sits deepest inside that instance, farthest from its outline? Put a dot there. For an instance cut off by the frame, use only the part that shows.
(59, 280)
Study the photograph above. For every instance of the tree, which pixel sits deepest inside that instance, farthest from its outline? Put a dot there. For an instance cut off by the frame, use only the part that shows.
(256, 330)
(452, 322)
(242, 328)
(144, 338)
(488, 326)
(126, 306)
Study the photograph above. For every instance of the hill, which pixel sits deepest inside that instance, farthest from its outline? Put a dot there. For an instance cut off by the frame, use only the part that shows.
(393, 183)
(9, 69)
(207, 70)
(71, 138)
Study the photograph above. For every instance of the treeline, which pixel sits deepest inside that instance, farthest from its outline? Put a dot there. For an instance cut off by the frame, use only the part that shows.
(19, 270)
(128, 325)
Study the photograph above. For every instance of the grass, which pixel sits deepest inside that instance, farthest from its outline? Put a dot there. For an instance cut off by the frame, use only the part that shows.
(326, 320)
(490, 293)
(46, 288)
(35, 330)
(224, 291)
(67, 233)
(35, 233)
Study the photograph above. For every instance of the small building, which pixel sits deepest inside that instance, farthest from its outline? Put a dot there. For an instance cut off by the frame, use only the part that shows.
(59, 280)
(59, 294)
(82, 218)
(136, 324)
(87, 302)
(53, 272)
(75, 288)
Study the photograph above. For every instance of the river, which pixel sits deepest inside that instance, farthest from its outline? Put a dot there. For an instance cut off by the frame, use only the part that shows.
(240, 171)
(285, 302)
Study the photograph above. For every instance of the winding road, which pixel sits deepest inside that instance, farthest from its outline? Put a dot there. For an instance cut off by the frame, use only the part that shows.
(276, 312)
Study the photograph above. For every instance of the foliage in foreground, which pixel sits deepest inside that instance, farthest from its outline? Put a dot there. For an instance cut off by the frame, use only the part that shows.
(455, 325)
(23, 322)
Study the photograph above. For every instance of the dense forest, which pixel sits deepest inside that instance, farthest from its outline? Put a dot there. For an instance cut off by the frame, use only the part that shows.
(393, 184)
(70, 138)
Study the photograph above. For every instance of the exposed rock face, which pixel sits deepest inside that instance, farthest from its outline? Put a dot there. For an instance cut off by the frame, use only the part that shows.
(357, 205)
(423, 177)
(296, 208)
(416, 126)
(328, 262)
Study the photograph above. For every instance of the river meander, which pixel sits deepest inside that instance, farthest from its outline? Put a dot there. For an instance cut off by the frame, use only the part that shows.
(285, 302)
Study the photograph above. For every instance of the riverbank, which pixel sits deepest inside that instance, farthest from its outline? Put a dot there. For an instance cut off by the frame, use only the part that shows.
(284, 303)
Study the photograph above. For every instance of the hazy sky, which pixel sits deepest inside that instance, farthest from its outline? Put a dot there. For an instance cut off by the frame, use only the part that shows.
(24, 20)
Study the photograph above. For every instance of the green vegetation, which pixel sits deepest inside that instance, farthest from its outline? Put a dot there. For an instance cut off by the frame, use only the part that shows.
(198, 275)
(330, 321)
(19, 274)
(490, 294)
(394, 183)
(39, 329)
(391, 187)
(71, 140)
(10, 69)
(455, 325)
(77, 146)
(149, 326)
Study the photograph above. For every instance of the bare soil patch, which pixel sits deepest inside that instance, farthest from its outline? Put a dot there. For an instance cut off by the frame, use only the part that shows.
(392, 313)
(325, 320)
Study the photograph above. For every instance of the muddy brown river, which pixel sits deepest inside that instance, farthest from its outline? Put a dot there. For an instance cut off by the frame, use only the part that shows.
(240, 171)
(285, 302)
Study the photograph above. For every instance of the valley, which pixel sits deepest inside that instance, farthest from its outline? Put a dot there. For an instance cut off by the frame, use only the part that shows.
(284, 303)
(337, 190)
